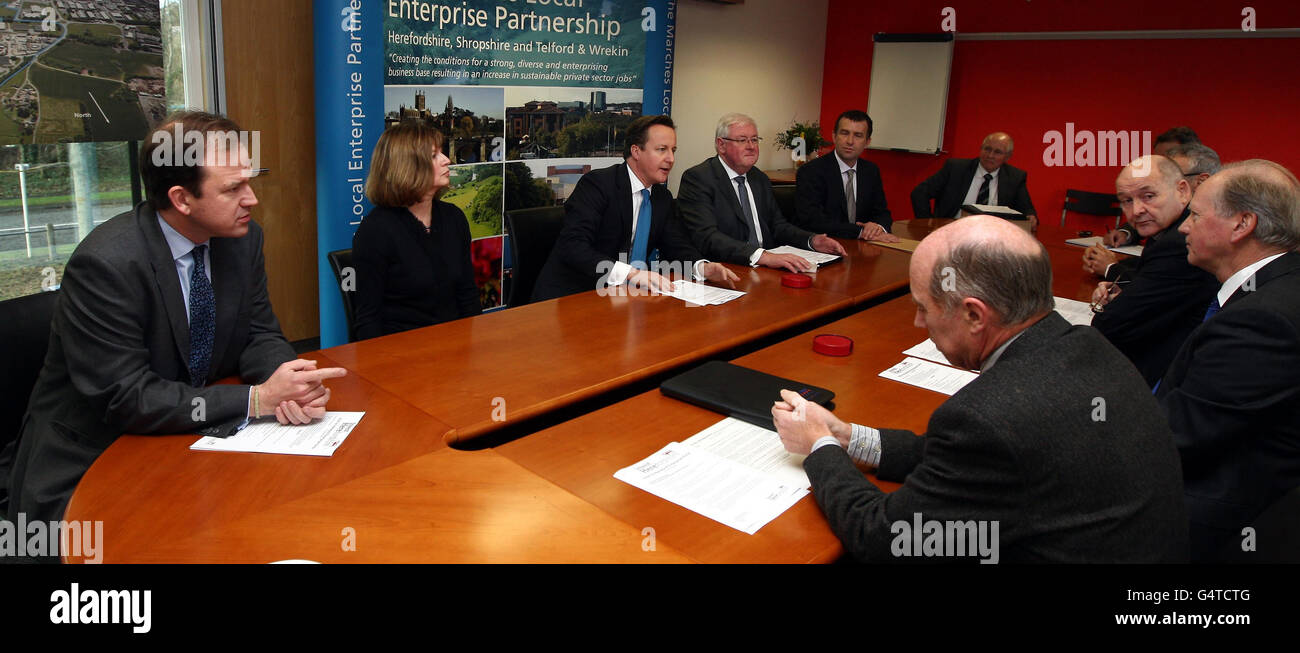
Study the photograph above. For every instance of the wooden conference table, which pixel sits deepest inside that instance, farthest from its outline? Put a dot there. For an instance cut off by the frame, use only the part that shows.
(548, 497)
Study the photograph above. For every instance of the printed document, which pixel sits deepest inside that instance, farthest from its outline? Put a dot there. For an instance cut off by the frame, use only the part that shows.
(319, 438)
(931, 376)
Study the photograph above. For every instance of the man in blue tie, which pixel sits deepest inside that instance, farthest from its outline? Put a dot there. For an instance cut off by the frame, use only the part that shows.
(1232, 394)
(156, 304)
(619, 225)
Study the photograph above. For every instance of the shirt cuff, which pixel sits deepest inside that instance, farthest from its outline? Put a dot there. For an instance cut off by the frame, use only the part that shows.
(618, 274)
(1105, 274)
(864, 446)
(699, 276)
(753, 258)
(810, 245)
(825, 441)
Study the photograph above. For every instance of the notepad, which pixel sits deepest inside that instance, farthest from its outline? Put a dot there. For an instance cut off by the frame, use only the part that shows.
(1131, 250)
(816, 258)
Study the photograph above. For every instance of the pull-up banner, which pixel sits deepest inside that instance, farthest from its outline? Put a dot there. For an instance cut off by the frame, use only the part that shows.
(531, 94)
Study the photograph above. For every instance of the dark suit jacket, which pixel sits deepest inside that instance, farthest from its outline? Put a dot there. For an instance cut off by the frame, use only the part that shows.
(949, 186)
(119, 346)
(598, 228)
(1024, 444)
(407, 278)
(1160, 307)
(819, 198)
(710, 211)
(1232, 396)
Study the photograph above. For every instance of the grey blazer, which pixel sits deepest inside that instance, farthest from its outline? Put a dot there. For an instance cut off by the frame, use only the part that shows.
(711, 213)
(119, 346)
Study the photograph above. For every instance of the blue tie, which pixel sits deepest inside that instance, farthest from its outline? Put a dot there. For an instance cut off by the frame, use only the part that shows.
(641, 241)
(1214, 308)
(203, 320)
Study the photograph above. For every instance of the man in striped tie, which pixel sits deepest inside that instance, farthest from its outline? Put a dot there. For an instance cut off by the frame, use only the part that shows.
(1232, 394)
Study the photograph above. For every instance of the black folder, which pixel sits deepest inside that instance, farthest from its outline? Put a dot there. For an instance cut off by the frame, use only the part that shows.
(738, 392)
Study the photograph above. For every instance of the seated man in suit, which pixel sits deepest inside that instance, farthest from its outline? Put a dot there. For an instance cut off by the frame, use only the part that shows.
(157, 304)
(1196, 161)
(619, 224)
(729, 211)
(986, 180)
(841, 194)
(1232, 394)
(1148, 316)
(1057, 443)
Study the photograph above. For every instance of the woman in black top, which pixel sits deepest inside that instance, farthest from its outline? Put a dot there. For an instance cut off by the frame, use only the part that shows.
(411, 253)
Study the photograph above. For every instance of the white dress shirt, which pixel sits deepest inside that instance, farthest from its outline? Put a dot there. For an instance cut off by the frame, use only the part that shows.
(975, 183)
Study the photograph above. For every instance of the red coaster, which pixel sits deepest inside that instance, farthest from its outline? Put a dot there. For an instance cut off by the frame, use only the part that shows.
(832, 345)
(792, 280)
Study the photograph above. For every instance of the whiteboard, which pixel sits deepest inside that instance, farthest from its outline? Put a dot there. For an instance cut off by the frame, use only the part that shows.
(908, 100)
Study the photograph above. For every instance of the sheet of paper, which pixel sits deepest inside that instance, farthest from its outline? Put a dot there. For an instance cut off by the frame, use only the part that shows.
(752, 446)
(1074, 311)
(698, 293)
(720, 489)
(320, 438)
(816, 258)
(931, 376)
(905, 244)
(993, 208)
(1131, 250)
(928, 351)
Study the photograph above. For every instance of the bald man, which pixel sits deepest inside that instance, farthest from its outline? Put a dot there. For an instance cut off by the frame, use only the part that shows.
(1058, 443)
(1148, 314)
(986, 180)
(1232, 394)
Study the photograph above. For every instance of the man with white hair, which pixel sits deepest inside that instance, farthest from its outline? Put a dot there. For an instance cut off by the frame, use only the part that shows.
(1232, 394)
(728, 208)
(1057, 444)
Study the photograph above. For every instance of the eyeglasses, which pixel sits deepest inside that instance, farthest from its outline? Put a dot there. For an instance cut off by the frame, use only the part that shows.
(752, 141)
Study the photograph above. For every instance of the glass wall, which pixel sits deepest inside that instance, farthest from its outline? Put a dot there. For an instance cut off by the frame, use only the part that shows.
(78, 79)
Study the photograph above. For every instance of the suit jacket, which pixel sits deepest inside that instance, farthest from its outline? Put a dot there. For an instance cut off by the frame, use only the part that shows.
(711, 213)
(819, 197)
(1026, 445)
(1160, 307)
(1232, 396)
(119, 351)
(949, 186)
(598, 228)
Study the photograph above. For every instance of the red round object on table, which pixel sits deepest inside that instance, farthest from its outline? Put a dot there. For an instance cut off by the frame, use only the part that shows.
(793, 280)
(829, 344)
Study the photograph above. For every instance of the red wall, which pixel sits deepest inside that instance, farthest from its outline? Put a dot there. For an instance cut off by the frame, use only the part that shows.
(1240, 95)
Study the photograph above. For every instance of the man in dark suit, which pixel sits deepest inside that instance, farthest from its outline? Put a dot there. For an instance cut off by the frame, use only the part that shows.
(729, 211)
(986, 180)
(619, 227)
(1232, 394)
(156, 304)
(1197, 162)
(1058, 445)
(1149, 316)
(841, 195)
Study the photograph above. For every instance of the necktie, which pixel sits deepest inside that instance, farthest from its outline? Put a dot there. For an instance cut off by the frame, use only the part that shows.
(203, 320)
(1214, 308)
(850, 197)
(983, 196)
(641, 240)
(755, 238)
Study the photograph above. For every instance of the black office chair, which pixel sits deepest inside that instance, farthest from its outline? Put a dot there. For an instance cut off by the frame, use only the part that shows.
(1277, 534)
(785, 201)
(340, 260)
(532, 237)
(1088, 203)
(25, 334)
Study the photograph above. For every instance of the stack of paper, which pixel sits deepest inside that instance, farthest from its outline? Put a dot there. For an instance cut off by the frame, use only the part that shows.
(816, 258)
(319, 438)
(698, 293)
(1074, 311)
(1131, 250)
(931, 376)
(733, 472)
